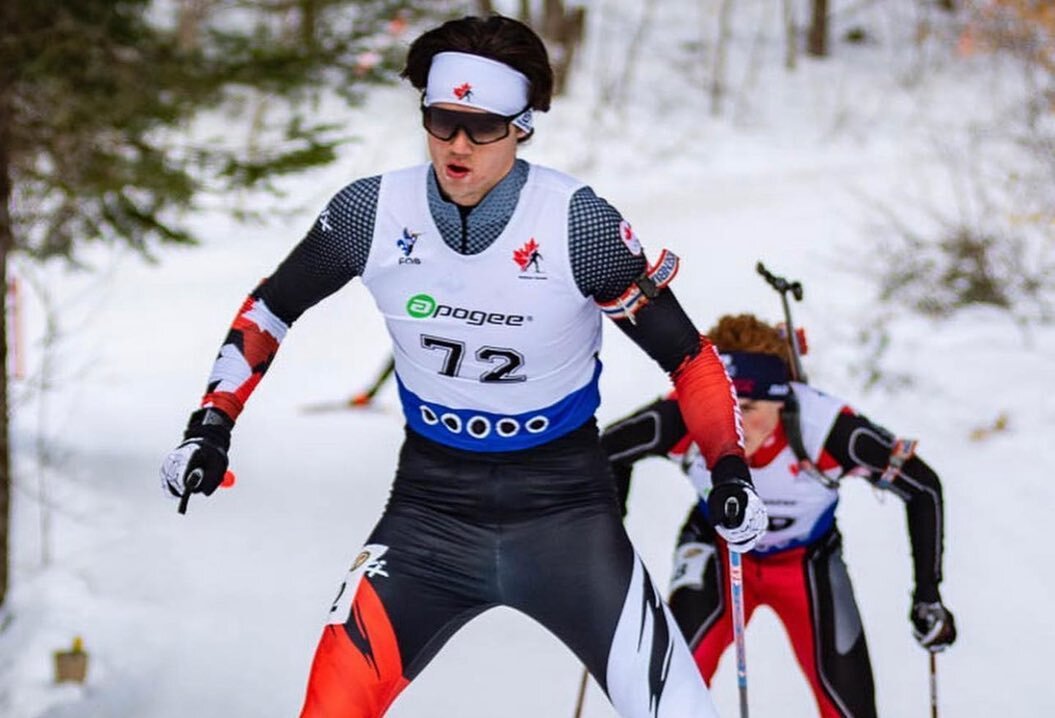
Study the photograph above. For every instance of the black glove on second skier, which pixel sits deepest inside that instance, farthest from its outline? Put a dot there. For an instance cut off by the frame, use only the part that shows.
(933, 625)
(736, 512)
(205, 444)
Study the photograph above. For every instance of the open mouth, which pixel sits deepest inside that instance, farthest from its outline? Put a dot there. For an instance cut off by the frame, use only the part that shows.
(456, 171)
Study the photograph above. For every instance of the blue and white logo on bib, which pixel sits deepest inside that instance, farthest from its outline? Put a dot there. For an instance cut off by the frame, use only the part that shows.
(406, 246)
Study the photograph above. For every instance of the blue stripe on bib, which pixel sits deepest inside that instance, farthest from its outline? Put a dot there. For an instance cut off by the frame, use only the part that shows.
(484, 431)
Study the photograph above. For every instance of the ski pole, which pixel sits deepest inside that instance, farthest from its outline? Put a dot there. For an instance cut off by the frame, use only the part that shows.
(736, 590)
(783, 286)
(933, 685)
(582, 693)
(364, 397)
(194, 480)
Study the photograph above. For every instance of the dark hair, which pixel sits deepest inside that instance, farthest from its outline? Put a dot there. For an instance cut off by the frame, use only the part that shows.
(496, 37)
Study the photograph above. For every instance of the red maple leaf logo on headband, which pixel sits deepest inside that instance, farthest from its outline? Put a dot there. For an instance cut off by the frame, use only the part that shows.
(463, 91)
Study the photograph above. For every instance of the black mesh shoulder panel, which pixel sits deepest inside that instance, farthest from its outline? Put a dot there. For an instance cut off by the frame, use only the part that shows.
(601, 262)
(334, 251)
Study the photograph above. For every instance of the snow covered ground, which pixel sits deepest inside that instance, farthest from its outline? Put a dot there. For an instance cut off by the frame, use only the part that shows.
(216, 613)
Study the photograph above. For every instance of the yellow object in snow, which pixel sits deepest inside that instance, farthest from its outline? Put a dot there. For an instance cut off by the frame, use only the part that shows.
(72, 666)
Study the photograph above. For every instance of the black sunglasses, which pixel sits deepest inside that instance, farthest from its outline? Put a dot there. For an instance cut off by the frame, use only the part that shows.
(482, 128)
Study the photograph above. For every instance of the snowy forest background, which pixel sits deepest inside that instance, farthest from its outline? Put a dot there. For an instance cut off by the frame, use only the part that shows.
(901, 164)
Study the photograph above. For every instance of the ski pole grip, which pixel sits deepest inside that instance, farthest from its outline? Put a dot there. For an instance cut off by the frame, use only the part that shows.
(779, 283)
(193, 482)
(731, 508)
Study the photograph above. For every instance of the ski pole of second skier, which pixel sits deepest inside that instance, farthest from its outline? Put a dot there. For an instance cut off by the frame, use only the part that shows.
(783, 286)
(736, 590)
(582, 693)
(933, 685)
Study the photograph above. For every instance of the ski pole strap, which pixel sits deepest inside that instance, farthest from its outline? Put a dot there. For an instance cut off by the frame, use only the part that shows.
(902, 451)
(644, 288)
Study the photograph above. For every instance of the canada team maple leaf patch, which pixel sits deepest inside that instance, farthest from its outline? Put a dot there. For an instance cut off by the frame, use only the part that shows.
(528, 256)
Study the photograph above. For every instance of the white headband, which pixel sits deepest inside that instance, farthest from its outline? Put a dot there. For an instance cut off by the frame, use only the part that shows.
(479, 82)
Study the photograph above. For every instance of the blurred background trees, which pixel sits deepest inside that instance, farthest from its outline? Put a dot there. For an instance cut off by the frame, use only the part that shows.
(560, 23)
(101, 102)
(998, 250)
(98, 104)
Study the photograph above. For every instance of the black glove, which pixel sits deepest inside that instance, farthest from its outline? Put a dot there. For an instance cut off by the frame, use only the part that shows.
(199, 463)
(736, 512)
(932, 625)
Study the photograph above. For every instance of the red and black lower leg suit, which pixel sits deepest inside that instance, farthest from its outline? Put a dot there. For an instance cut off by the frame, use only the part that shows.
(808, 588)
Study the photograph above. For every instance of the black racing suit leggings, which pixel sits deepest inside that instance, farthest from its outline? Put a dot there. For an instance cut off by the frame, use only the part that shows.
(537, 530)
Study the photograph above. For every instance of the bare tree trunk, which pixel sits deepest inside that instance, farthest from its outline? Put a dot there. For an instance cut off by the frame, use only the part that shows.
(754, 63)
(309, 14)
(720, 52)
(191, 15)
(817, 40)
(561, 29)
(45, 453)
(564, 28)
(632, 52)
(6, 244)
(791, 40)
(484, 8)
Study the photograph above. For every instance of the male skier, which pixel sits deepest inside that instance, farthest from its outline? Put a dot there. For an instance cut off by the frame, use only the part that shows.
(502, 495)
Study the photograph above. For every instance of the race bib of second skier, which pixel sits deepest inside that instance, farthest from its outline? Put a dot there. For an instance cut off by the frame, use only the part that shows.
(690, 561)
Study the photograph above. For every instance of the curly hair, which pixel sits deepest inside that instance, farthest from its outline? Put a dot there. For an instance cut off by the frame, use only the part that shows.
(496, 37)
(748, 333)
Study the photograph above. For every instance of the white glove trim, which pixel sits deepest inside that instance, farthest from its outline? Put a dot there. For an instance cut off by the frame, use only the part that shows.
(743, 538)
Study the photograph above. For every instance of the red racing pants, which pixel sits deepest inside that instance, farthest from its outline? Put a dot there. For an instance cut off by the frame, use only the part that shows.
(807, 587)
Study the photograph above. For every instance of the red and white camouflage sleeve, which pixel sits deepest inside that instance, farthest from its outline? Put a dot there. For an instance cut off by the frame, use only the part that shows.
(245, 356)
